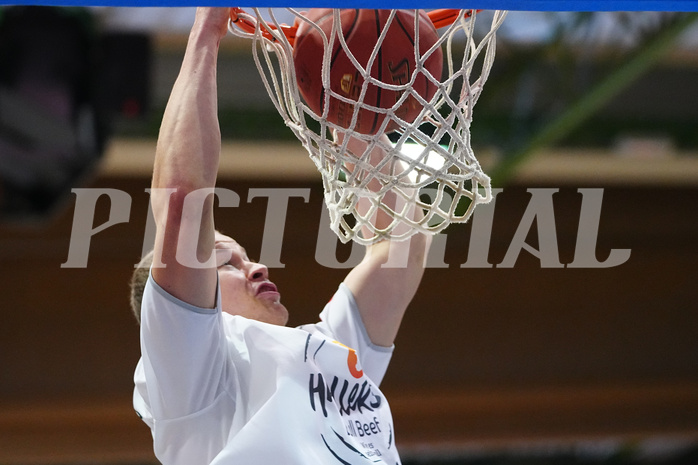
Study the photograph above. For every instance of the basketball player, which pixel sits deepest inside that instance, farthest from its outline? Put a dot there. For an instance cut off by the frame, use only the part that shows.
(221, 379)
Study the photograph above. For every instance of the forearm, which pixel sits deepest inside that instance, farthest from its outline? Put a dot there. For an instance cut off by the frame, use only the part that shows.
(186, 160)
(189, 142)
(386, 280)
(391, 274)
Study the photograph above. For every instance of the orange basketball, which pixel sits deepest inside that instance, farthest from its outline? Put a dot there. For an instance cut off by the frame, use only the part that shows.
(394, 64)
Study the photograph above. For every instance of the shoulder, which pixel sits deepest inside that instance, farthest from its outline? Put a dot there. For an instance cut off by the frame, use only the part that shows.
(155, 296)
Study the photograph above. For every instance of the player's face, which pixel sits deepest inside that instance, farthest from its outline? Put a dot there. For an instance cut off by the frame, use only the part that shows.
(245, 286)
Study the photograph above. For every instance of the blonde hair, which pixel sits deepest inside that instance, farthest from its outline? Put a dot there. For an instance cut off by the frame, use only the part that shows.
(137, 284)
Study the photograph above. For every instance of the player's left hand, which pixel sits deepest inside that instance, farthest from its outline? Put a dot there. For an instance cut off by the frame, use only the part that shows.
(214, 20)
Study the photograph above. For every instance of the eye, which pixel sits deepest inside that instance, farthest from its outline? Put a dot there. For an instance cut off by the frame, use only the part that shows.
(223, 257)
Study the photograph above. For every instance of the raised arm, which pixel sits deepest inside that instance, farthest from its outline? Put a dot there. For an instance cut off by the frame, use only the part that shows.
(186, 160)
(387, 279)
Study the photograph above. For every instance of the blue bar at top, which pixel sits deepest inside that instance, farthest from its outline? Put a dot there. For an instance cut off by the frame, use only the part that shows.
(524, 5)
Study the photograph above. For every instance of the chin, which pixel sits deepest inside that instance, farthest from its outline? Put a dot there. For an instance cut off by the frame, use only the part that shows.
(280, 316)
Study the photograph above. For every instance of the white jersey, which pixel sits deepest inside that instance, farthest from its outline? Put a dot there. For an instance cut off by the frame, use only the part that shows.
(221, 389)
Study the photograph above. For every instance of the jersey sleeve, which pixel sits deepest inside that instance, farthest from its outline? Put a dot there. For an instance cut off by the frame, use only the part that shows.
(341, 320)
(183, 379)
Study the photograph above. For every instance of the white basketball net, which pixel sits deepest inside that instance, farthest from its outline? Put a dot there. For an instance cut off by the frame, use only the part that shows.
(372, 185)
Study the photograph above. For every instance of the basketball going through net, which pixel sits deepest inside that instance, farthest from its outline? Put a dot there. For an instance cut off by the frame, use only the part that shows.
(382, 100)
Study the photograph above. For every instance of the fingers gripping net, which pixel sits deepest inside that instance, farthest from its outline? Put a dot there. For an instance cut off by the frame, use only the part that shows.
(422, 178)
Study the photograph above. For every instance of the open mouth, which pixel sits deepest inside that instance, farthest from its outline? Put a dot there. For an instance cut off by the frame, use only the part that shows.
(267, 287)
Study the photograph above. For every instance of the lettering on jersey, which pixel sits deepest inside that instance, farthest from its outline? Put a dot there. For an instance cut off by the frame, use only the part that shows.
(307, 344)
(359, 429)
(352, 361)
(352, 358)
(318, 349)
(344, 451)
(347, 396)
(366, 434)
(353, 364)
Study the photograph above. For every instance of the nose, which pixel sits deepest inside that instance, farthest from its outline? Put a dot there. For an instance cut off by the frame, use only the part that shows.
(257, 272)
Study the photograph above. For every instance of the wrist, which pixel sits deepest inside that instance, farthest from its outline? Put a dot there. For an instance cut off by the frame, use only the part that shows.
(210, 25)
(204, 37)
